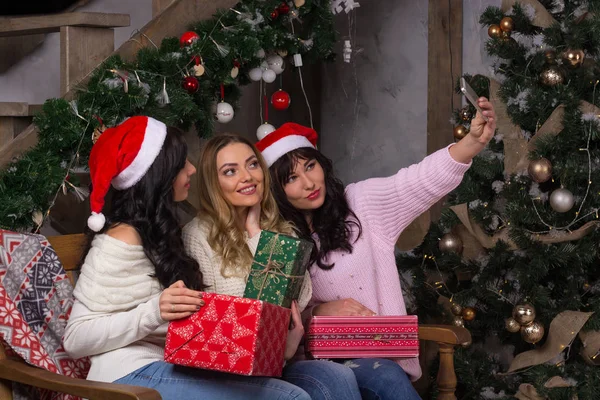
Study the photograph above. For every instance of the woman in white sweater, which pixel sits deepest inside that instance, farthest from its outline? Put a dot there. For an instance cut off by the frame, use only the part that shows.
(136, 276)
(235, 203)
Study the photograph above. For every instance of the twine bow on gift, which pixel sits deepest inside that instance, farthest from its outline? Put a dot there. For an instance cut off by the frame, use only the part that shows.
(271, 268)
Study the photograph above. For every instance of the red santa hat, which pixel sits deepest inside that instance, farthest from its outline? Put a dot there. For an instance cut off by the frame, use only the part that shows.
(122, 156)
(290, 136)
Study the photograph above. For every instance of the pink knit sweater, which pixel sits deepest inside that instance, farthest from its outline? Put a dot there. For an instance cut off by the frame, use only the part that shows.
(385, 206)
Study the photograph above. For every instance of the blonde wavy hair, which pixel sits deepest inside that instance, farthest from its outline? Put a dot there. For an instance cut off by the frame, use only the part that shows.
(225, 237)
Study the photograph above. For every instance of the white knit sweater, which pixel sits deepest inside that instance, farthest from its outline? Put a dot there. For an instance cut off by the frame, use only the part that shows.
(116, 322)
(195, 235)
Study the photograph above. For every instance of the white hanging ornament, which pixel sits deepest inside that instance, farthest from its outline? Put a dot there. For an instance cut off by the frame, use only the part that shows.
(347, 51)
(264, 130)
(199, 70)
(276, 64)
(562, 200)
(260, 53)
(269, 76)
(255, 74)
(224, 112)
(235, 72)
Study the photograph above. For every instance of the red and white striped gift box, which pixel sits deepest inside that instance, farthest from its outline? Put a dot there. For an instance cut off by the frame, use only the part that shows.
(363, 337)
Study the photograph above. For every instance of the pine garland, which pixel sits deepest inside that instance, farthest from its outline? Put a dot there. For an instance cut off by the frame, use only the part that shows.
(231, 37)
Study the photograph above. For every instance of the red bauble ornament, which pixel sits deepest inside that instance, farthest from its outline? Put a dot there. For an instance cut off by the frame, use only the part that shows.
(274, 14)
(190, 84)
(283, 9)
(281, 100)
(188, 38)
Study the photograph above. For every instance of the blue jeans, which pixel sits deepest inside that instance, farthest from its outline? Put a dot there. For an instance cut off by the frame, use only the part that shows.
(363, 378)
(175, 382)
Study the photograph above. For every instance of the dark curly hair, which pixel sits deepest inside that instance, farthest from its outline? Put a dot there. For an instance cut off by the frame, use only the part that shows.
(150, 208)
(331, 222)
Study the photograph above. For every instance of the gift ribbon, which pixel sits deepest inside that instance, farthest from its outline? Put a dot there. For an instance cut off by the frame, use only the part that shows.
(273, 268)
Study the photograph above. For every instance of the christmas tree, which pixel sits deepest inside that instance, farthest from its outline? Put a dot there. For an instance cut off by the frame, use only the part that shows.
(514, 258)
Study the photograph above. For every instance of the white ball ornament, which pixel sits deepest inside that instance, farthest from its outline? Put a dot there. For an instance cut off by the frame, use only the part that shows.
(224, 112)
(264, 130)
(562, 200)
(276, 63)
(260, 53)
(269, 76)
(255, 74)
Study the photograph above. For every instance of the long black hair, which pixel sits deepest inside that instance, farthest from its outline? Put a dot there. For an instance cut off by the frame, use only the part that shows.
(331, 222)
(149, 207)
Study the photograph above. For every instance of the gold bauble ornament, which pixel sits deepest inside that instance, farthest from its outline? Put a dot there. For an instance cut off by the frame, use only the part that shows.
(586, 286)
(507, 24)
(299, 3)
(533, 332)
(552, 75)
(460, 131)
(450, 243)
(458, 321)
(540, 170)
(524, 313)
(494, 31)
(456, 309)
(466, 114)
(512, 325)
(550, 56)
(573, 58)
(469, 313)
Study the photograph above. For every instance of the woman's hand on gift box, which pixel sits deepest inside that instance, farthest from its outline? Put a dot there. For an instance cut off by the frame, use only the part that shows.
(295, 334)
(177, 301)
(344, 307)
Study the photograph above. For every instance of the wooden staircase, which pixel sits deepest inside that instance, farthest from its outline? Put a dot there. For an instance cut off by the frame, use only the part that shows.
(86, 39)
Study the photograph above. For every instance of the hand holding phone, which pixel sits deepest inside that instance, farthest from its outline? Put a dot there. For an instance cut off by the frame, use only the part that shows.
(470, 94)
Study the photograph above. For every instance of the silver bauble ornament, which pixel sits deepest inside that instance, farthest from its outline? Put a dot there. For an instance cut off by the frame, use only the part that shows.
(562, 200)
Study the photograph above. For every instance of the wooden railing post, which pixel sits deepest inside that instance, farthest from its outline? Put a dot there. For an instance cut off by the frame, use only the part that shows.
(446, 378)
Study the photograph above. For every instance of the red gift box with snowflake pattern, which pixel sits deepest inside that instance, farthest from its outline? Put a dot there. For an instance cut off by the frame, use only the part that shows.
(231, 334)
(363, 337)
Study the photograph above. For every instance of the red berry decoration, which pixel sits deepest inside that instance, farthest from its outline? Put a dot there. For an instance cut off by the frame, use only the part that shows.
(283, 9)
(188, 38)
(274, 14)
(190, 84)
(281, 100)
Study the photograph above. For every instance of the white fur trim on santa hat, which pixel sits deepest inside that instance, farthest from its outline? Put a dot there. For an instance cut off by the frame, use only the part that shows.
(154, 137)
(96, 221)
(283, 146)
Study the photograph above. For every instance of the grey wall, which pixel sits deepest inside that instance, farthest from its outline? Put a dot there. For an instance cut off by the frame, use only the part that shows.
(36, 78)
(374, 109)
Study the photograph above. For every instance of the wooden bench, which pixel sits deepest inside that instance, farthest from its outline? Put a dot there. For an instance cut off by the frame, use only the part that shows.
(69, 249)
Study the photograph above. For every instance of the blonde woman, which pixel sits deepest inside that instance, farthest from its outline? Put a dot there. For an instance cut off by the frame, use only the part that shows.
(235, 204)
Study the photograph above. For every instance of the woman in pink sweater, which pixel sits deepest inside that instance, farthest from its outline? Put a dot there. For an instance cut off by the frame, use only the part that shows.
(355, 229)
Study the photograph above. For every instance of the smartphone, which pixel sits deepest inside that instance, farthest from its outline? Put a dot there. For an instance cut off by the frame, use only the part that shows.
(470, 94)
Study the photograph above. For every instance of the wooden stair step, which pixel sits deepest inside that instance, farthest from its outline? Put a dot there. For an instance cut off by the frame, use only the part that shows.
(13, 26)
(16, 109)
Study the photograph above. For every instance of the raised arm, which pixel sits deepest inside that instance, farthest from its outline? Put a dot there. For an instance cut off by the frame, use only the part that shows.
(390, 204)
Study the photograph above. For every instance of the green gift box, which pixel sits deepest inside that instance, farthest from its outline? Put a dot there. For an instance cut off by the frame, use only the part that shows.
(278, 269)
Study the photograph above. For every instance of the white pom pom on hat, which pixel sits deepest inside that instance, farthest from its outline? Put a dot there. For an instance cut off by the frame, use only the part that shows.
(288, 137)
(121, 157)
